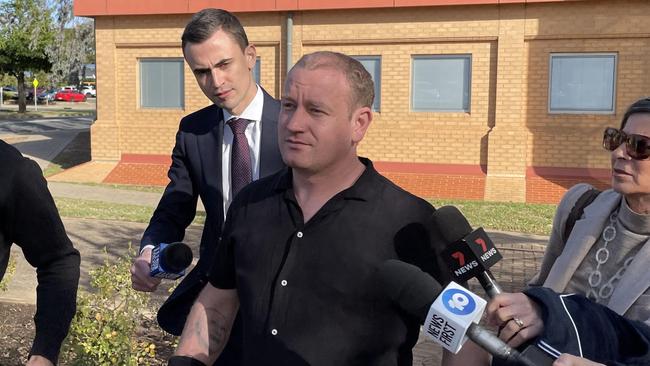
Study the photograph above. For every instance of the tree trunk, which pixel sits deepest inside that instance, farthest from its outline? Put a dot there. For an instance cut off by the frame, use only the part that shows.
(22, 103)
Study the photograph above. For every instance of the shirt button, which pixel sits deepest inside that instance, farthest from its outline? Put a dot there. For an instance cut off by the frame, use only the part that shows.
(299, 234)
(283, 283)
(274, 331)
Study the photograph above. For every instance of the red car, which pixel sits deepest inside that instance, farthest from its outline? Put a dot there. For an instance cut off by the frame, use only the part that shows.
(70, 96)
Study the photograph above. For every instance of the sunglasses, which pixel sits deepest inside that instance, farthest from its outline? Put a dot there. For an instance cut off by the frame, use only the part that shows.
(636, 146)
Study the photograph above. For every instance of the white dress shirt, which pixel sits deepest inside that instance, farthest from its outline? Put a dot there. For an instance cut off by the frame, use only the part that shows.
(253, 134)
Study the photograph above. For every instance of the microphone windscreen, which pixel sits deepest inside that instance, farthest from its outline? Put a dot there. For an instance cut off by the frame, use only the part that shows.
(408, 287)
(176, 257)
(451, 223)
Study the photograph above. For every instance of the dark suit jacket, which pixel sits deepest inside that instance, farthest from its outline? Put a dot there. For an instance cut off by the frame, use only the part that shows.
(196, 171)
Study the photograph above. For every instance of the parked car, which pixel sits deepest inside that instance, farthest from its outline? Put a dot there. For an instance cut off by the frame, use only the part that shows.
(9, 92)
(69, 96)
(47, 96)
(89, 91)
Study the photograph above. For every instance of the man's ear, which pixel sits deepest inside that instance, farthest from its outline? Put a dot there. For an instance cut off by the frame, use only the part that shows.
(361, 119)
(250, 52)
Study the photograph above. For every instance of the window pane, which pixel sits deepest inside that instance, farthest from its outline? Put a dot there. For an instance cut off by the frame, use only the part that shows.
(256, 71)
(441, 83)
(161, 83)
(373, 65)
(582, 83)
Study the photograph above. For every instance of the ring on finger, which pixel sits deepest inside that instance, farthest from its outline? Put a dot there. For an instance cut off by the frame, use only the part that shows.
(518, 322)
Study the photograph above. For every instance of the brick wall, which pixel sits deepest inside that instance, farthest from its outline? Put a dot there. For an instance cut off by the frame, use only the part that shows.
(508, 129)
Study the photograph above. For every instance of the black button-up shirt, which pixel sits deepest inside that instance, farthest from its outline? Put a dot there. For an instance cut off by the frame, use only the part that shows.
(307, 291)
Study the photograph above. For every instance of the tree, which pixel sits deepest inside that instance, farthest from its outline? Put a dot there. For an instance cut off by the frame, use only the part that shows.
(74, 45)
(25, 33)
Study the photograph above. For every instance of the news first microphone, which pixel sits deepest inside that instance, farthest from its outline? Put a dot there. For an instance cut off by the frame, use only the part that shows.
(449, 315)
(169, 261)
(469, 253)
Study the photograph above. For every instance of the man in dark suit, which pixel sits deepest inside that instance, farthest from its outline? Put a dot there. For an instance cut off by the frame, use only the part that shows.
(29, 218)
(216, 49)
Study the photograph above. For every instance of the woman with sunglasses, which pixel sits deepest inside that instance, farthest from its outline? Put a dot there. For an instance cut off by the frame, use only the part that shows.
(606, 257)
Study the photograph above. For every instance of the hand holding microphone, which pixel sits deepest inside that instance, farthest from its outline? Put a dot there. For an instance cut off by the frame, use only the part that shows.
(471, 253)
(140, 278)
(169, 261)
(504, 308)
(449, 315)
(163, 261)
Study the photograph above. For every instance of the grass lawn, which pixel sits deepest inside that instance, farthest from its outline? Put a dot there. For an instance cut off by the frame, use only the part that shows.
(72, 207)
(504, 216)
(518, 217)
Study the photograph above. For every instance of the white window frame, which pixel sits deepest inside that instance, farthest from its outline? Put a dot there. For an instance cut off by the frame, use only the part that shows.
(140, 85)
(577, 55)
(458, 56)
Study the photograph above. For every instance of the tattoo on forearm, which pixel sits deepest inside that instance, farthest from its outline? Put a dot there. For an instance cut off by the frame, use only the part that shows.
(214, 337)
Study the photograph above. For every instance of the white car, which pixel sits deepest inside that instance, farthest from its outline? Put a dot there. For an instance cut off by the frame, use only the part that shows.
(89, 91)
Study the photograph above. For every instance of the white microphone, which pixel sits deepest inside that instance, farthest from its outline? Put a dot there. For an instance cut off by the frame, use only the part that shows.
(449, 316)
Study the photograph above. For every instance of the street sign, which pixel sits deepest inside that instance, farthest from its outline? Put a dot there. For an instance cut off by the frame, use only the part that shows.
(35, 83)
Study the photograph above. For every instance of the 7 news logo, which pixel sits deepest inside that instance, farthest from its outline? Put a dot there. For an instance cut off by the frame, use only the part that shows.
(460, 257)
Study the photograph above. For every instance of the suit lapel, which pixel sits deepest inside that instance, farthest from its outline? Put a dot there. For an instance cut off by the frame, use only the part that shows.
(585, 233)
(210, 155)
(270, 159)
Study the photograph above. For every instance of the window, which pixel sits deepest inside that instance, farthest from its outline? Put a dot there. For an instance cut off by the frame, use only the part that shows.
(582, 83)
(162, 83)
(373, 65)
(441, 83)
(256, 71)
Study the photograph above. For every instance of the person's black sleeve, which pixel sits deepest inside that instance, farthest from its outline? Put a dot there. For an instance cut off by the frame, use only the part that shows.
(38, 230)
(177, 206)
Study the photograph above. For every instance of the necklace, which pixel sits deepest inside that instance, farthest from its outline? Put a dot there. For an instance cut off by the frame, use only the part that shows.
(602, 256)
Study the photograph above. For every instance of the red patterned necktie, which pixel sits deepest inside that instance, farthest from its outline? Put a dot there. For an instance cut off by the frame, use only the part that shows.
(241, 172)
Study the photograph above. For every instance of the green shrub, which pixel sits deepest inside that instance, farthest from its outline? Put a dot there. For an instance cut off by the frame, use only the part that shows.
(9, 274)
(104, 329)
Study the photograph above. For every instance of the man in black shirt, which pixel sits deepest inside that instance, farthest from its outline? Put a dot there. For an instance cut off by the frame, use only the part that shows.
(29, 218)
(300, 248)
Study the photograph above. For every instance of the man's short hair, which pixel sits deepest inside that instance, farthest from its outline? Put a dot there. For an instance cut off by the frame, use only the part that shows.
(208, 21)
(359, 79)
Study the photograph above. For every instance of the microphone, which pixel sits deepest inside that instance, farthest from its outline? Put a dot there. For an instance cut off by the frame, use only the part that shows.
(469, 253)
(169, 261)
(449, 315)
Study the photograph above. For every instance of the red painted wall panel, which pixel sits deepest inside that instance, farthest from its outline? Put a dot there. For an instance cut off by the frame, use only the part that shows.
(233, 6)
(132, 7)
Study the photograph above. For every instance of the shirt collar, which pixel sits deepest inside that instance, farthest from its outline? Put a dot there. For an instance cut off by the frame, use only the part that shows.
(253, 111)
(362, 189)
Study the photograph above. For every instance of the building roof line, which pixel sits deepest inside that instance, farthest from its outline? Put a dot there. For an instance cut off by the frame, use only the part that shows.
(96, 8)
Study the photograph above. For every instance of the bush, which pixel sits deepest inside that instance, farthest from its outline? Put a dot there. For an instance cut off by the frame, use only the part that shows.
(104, 329)
(9, 274)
